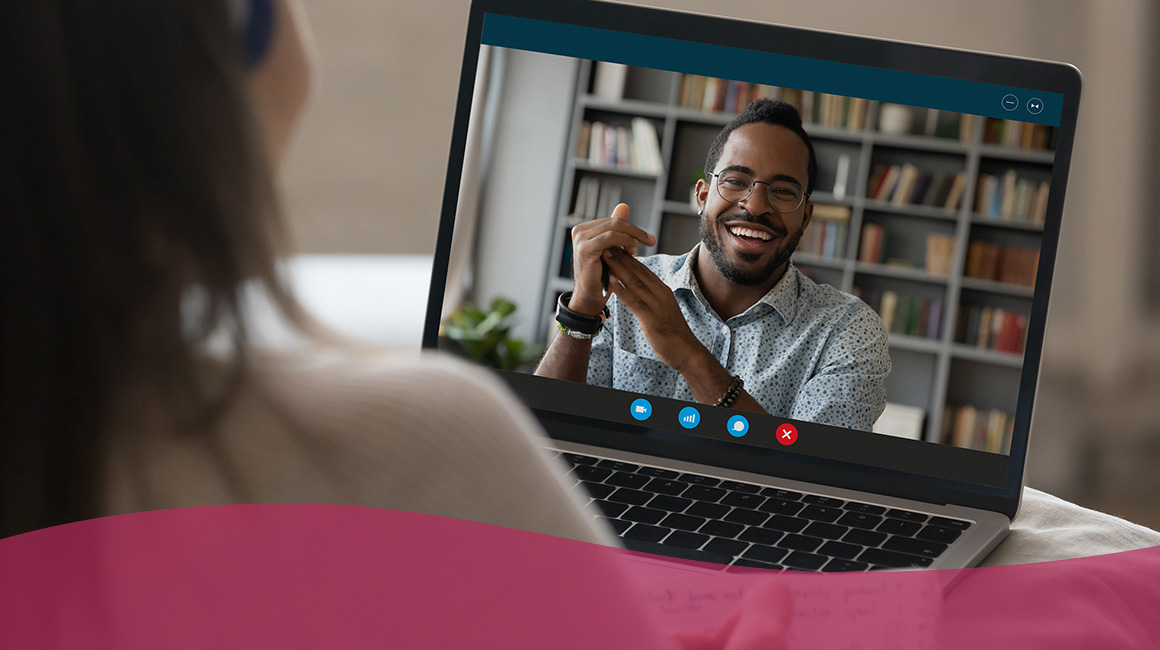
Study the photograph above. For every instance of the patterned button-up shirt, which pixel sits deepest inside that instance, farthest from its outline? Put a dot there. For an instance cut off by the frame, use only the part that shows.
(806, 351)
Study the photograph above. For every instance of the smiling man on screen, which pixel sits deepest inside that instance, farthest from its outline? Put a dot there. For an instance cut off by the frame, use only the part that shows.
(733, 322)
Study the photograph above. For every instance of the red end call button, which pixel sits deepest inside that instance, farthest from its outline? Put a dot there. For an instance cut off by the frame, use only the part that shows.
(787, 434)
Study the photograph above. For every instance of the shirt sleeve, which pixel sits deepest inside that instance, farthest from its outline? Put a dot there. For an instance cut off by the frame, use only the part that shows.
(849, 388)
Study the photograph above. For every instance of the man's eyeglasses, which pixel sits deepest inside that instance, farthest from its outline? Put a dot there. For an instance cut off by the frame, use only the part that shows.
(783, 196)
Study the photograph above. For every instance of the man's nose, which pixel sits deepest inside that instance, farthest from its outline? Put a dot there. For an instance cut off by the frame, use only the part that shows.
(758, 200)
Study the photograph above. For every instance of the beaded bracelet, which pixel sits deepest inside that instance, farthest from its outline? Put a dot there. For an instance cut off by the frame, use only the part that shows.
(731, 393)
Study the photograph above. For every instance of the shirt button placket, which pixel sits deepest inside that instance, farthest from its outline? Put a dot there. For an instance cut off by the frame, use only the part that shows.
(723, 353)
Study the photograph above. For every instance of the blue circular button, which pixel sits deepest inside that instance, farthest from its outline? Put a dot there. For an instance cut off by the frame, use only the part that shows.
(641, 409)
(689, 417)
(738, 426)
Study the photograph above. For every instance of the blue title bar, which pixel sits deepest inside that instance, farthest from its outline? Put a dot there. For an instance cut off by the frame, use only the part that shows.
(785, 71)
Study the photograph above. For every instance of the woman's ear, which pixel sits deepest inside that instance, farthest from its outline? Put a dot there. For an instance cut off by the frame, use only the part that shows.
(281, 80)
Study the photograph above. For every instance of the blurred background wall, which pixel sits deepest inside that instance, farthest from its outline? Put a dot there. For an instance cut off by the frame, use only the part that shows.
(366, 176)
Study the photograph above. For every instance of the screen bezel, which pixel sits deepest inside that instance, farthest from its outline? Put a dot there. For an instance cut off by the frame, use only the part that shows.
(840, 48)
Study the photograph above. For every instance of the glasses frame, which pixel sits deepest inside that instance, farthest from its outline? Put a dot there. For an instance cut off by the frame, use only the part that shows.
(717, 177)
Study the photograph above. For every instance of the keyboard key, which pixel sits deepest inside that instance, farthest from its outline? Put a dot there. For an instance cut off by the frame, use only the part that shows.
(617, 466)
(825, 531)
(820, 513)
(957, 524)
(726, 546)
(800, 542)
(844, 565)
(864, 508)
(778, 493)
(760, 536)
(860, 520)
(631, 497)
(665, 486)
(589, 473)
(806, 561)
(643, 515)
(679, 552)
(899, 527)
(702, 493)
(938, 534)
(646, 533)
(778, 506)
(686, 539)
(598, 490)
(669, 504)
(906, 515)
(721, 529)
(817, 500)
(914, 546)
(611, 509)
(707, 510)
(765, 553)
(864, 537)
(747, 517)
(578, 459)
(657, 472)
(697, 479)
(740, 487)
(891, 559)
(743, 500)
(788, 524)
(616, 525)
(840, 550)
(683, 522)
(624, 479)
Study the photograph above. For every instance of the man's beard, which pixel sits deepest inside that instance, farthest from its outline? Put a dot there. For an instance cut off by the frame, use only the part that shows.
(742, 277)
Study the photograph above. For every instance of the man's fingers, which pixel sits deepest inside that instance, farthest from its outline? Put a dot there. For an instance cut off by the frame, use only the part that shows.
(620, 212)
(618, 222)
(631, 271)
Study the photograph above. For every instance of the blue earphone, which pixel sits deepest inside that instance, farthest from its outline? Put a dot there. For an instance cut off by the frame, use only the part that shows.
(255, 24)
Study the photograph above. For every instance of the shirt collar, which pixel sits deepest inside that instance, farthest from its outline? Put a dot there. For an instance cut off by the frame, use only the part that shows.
(782, 298)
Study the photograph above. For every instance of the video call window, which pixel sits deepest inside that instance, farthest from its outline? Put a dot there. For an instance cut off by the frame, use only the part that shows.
(930, 218)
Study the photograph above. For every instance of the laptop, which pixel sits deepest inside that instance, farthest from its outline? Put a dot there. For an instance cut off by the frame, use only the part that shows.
(935, 213)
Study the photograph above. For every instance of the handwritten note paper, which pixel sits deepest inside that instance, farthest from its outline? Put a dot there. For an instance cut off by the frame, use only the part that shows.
(865, 611)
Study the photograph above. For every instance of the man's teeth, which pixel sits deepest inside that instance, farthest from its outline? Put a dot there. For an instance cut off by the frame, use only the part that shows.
(755, 234)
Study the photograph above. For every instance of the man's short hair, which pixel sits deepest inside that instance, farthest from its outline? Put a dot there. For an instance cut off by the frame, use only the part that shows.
(769, 111)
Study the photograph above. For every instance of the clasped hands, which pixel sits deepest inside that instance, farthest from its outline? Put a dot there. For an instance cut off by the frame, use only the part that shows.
(614, 242)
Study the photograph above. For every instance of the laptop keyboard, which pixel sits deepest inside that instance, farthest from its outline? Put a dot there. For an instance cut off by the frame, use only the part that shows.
(696, 517)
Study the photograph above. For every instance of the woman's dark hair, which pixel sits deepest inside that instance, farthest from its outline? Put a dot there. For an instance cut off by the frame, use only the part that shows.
(768, 111)
(132, 172)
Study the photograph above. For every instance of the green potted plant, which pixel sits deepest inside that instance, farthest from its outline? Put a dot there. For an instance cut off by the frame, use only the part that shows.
(485, 337)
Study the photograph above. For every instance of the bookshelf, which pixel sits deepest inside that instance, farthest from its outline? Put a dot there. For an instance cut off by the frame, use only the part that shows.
(966, 189)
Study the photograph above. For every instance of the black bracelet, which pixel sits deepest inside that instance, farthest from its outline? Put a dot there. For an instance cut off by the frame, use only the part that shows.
(573, 323)
(731, 393)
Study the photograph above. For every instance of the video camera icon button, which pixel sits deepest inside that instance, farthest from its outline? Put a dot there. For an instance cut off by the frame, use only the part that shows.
(737, 426)
(1009, 102)
(689, 417)
(787, 434)
(641, 409)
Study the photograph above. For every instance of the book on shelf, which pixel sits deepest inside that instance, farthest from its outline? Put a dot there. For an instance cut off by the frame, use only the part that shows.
(715, 95)
(992, 328)
(609, 80)
(972, 428)
(906, 184)
(872, 244)
(901, 421)
(594, 199)
(940, 250)
(1011, 199)
(910, 315)
(1019, 135)
(997, 263)
(826, 234)
(636, 147)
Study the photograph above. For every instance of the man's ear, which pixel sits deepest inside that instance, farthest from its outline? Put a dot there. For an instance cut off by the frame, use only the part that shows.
(701, 189)
(809, 213)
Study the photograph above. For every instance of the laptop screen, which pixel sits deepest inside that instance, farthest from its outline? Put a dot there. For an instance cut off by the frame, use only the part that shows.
(866, 292)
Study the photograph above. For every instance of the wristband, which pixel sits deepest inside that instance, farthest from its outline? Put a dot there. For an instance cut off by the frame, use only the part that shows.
(575, 324)
(731, 393)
